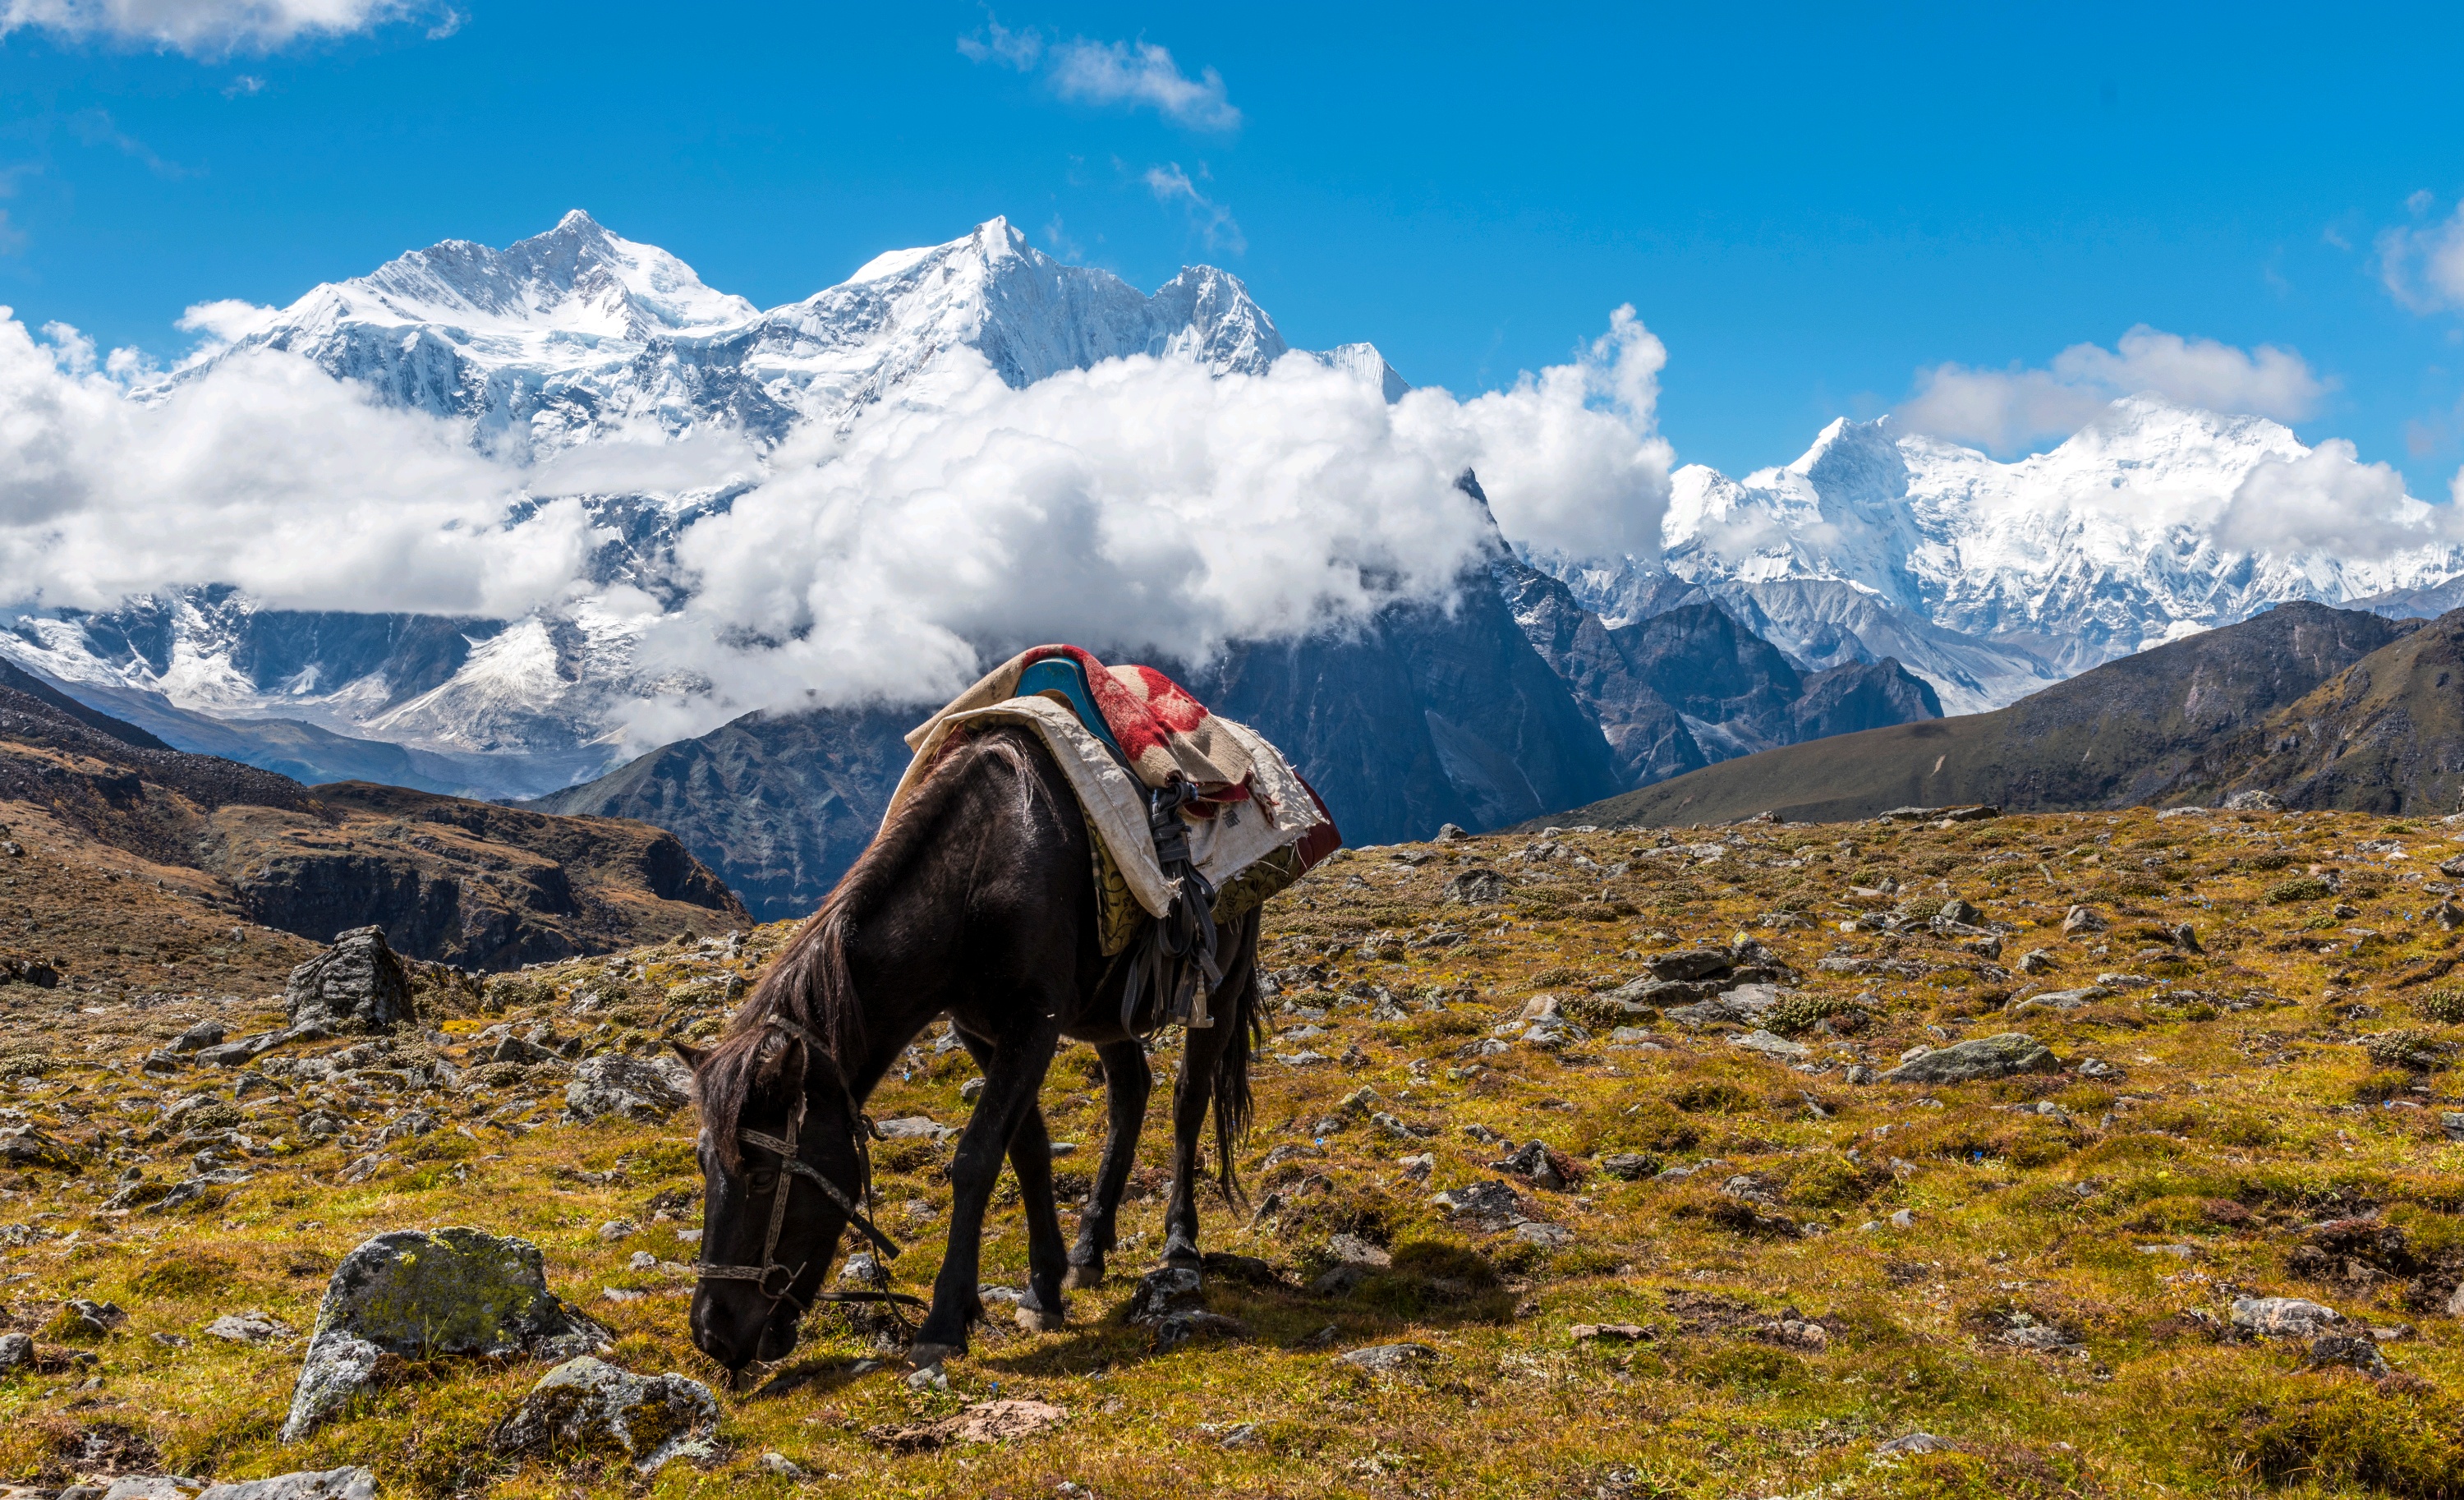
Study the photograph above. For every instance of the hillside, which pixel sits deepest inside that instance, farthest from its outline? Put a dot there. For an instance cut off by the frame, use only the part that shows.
(2176, 724)
(1724, 1262)
(93, 802)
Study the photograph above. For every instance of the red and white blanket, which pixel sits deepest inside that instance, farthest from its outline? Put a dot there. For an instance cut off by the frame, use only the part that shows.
(1252, 802)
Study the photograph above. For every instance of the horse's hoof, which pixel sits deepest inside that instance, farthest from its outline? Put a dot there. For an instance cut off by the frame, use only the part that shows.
(1083, 1278)
(924, 1357)
(1183, 1256)
(1036, 1320)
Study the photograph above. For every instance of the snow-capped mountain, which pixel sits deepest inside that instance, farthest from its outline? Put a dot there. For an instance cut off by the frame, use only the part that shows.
(1989, 579)
(573, 338)
(578, 333)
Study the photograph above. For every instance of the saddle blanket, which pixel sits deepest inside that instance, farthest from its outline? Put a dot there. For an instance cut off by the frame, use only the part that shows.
(1116, 732)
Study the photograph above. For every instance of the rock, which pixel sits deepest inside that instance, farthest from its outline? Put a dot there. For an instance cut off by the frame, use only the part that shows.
(2286, 1317)
(913, 1127)
(1476, 887)
(91, 1319)
(2098, 1068)
(416, 1293)
(2037, 961)
(1387, 1359)
(985, 1421)
(1166, 1290)
(591, 1406)
(648, 1088)
(1965, 913)
(2455, 1308)
(1688, 963)
(1351, 1249)
(1859, 1073)
(332, 1484)
(23, 1146)
(1626, 1166)
(356, 986)
(16, 1352)
(2351, 1351)
(2083, 919)
(2451, 1121)
(1913, 1442)
(1769, 1044)
(1546, 1168)
(1490, 1205)
(197, 1038)
(2253, 801)
(1904, 1219)
(2187, 937)
(1448, 833)
(250, 1328)
(1609, 1333)
(1982, 1057)
(780, 1465)
(1551, 1236)
(2064, 999)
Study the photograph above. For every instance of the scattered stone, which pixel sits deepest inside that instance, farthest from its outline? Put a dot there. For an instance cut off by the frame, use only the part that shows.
(1627, 1167)
(914, 1127)
(16, 1352)
(1609, 1333)
(332, 1484)
(1490, 1206)
(985, 1421)
(250, 1328)
(1549, 1236)
(589, 1404)
(1983, 1057)
(415, 1293)
(1688, 963)
(1769, 1046)
(2253, 801)
(1914, 1443)
(2286, 1317)
(2083, 919)
(23, 1146)
(1388, 1358)
(1351, 1249)
(1448, 833)
(780, 1465)
(2037, 961)
(356, 986)
(2068, 999)
(648, 1088)
(197, 1038)
(2350, 1351)
(1476, 888)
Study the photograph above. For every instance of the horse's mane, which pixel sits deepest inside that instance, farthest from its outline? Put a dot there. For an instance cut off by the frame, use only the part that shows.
(808, 985)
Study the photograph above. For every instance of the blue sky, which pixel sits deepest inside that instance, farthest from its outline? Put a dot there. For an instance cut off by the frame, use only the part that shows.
(1810, 206)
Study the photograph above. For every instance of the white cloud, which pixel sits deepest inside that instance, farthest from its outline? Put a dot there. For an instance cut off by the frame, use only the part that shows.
(1140, 506)
(204, 28)
(266, 473)
(1213, 221)
(1140, 74)
(2003, 411)
(2422, 266)
(2329, 500)
(226, 321)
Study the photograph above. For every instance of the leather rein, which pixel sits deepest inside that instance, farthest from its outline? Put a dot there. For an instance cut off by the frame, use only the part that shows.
(792, 1165)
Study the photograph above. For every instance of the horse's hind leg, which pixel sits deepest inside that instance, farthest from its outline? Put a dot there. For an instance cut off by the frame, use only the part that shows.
(1127, 1081)
(1192, 1091)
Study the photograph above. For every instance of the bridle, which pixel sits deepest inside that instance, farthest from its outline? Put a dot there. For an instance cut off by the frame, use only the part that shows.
(792, 1165)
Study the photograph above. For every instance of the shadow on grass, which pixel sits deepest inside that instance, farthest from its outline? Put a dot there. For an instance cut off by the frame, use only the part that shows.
(1428, 1283)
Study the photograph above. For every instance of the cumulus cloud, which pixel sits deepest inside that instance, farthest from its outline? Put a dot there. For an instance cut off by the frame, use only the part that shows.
(1212, 220)
(1140, 506)
(1140, 74)
(2003, 411)
(2422, 264)
(2327, 500)
(266, 473)
(202, 27)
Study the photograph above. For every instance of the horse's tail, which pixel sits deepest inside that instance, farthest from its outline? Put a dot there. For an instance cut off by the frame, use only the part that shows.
(1244, 1028)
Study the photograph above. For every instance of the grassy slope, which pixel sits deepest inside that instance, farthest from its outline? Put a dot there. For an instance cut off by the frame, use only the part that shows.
(2151, 728)
(2234, 1129)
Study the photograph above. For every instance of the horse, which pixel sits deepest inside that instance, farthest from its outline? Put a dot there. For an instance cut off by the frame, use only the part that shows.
(976, 900)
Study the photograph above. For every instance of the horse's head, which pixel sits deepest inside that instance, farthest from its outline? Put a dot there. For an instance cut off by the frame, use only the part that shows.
(768, 1231)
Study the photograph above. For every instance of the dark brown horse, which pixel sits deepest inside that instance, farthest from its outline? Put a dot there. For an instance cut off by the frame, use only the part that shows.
(975, 901)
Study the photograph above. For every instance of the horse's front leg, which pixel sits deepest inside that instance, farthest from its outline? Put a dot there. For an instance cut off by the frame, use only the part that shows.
(1127, 1081)
(1192, 1091)
(1013, 1074)
(1031, 1158)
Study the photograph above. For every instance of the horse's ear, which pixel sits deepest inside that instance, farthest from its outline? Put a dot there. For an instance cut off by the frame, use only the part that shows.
(779, 1068)
(693, 1056)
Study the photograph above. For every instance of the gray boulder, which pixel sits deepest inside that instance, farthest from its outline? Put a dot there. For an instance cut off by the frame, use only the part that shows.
(649, 1087)
(332, 1484)
(1387, 1359)
(591, 1406)
(416, 1293)
(2253, 801)
(357, 984)
(1476, 887)
(1688, 963)
(1982, 1057)
(2287, 1317)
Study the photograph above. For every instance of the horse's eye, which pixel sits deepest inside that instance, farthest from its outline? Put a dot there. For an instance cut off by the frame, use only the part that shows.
(764, 1182)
